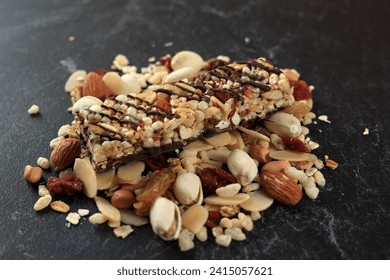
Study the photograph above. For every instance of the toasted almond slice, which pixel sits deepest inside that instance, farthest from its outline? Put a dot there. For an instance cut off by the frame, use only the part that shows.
(194, 218)
(131, 172)
(87, 174)
(237, 140)
(254, 134)
(76, 79)
(228, 190)
(234, 200)
(198, 145)
(219, 140)
(219, 155)
(108, 210)
(105, 180)
(258, 201)
(115, 84)
(289, 155)
(128, 217)
(97, 218)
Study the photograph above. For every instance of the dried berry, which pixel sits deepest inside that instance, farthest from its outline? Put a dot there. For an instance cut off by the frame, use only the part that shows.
(166, 61)
(295, 145)
(223, 177)
(213, 219)
(68, 185)
(209, 181)
(100, 72)
(214, 178)
(156, 163)
(301, 90)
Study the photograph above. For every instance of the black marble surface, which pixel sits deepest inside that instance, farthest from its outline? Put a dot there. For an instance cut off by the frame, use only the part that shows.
(341, 47)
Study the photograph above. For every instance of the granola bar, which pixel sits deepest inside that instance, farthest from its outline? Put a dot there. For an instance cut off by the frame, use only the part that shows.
(131, 127)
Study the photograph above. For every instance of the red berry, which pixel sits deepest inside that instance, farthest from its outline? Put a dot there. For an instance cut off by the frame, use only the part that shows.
(301, 90)
(295, 145)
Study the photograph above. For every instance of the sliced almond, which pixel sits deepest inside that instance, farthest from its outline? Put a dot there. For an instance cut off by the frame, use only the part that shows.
(228, 190)
(97, 218)
(131, 172)
(87, 174)
(115, 84)
(128, 217)
(194, 218)
(258, 201)
(254, 134)
(219, 140)
(180, 74)
(76, 79)
(289, 155)
(105, 180)
(238, 142)
(108, 210)
(185, 59)
(234, 200)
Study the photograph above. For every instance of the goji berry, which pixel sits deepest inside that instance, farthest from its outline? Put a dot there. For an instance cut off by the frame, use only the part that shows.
(301, 90)
(69, 185)
(295, 145)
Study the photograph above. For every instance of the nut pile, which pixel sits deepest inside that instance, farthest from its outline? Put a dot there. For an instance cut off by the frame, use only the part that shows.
(216, 184)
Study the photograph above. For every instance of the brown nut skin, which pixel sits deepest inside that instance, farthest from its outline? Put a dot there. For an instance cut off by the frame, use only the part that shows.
(259, 153)
(32, 174)
(123, 199)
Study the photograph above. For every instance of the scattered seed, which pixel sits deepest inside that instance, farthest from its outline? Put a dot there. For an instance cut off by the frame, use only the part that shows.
(43, 162)
(83, 212)
(42, 190)
(60, 206)
(98, 218)
(123, 231)
(73, 218)
(42, 202)
(33, 110)
(71, 38)
(366, 131)
(324, 118)
(223, 240)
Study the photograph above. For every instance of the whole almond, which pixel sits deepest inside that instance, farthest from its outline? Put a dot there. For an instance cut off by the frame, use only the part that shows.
(278, 185)
(65, 153)
(95, 86)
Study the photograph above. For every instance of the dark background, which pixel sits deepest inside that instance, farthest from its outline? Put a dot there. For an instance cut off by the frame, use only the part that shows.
(341, 47)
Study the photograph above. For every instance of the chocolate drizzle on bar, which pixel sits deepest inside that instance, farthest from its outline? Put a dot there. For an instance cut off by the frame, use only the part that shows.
(129, 127)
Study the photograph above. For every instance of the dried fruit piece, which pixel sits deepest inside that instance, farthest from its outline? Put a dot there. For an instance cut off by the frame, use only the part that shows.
(301, 90)
(68, 185)
(213, 219)
(156, 186)
(295, 145)
(65, 153)
(157, 163)
(281, 187)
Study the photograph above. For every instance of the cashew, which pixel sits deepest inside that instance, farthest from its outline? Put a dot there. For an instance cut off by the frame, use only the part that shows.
(242, 166)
